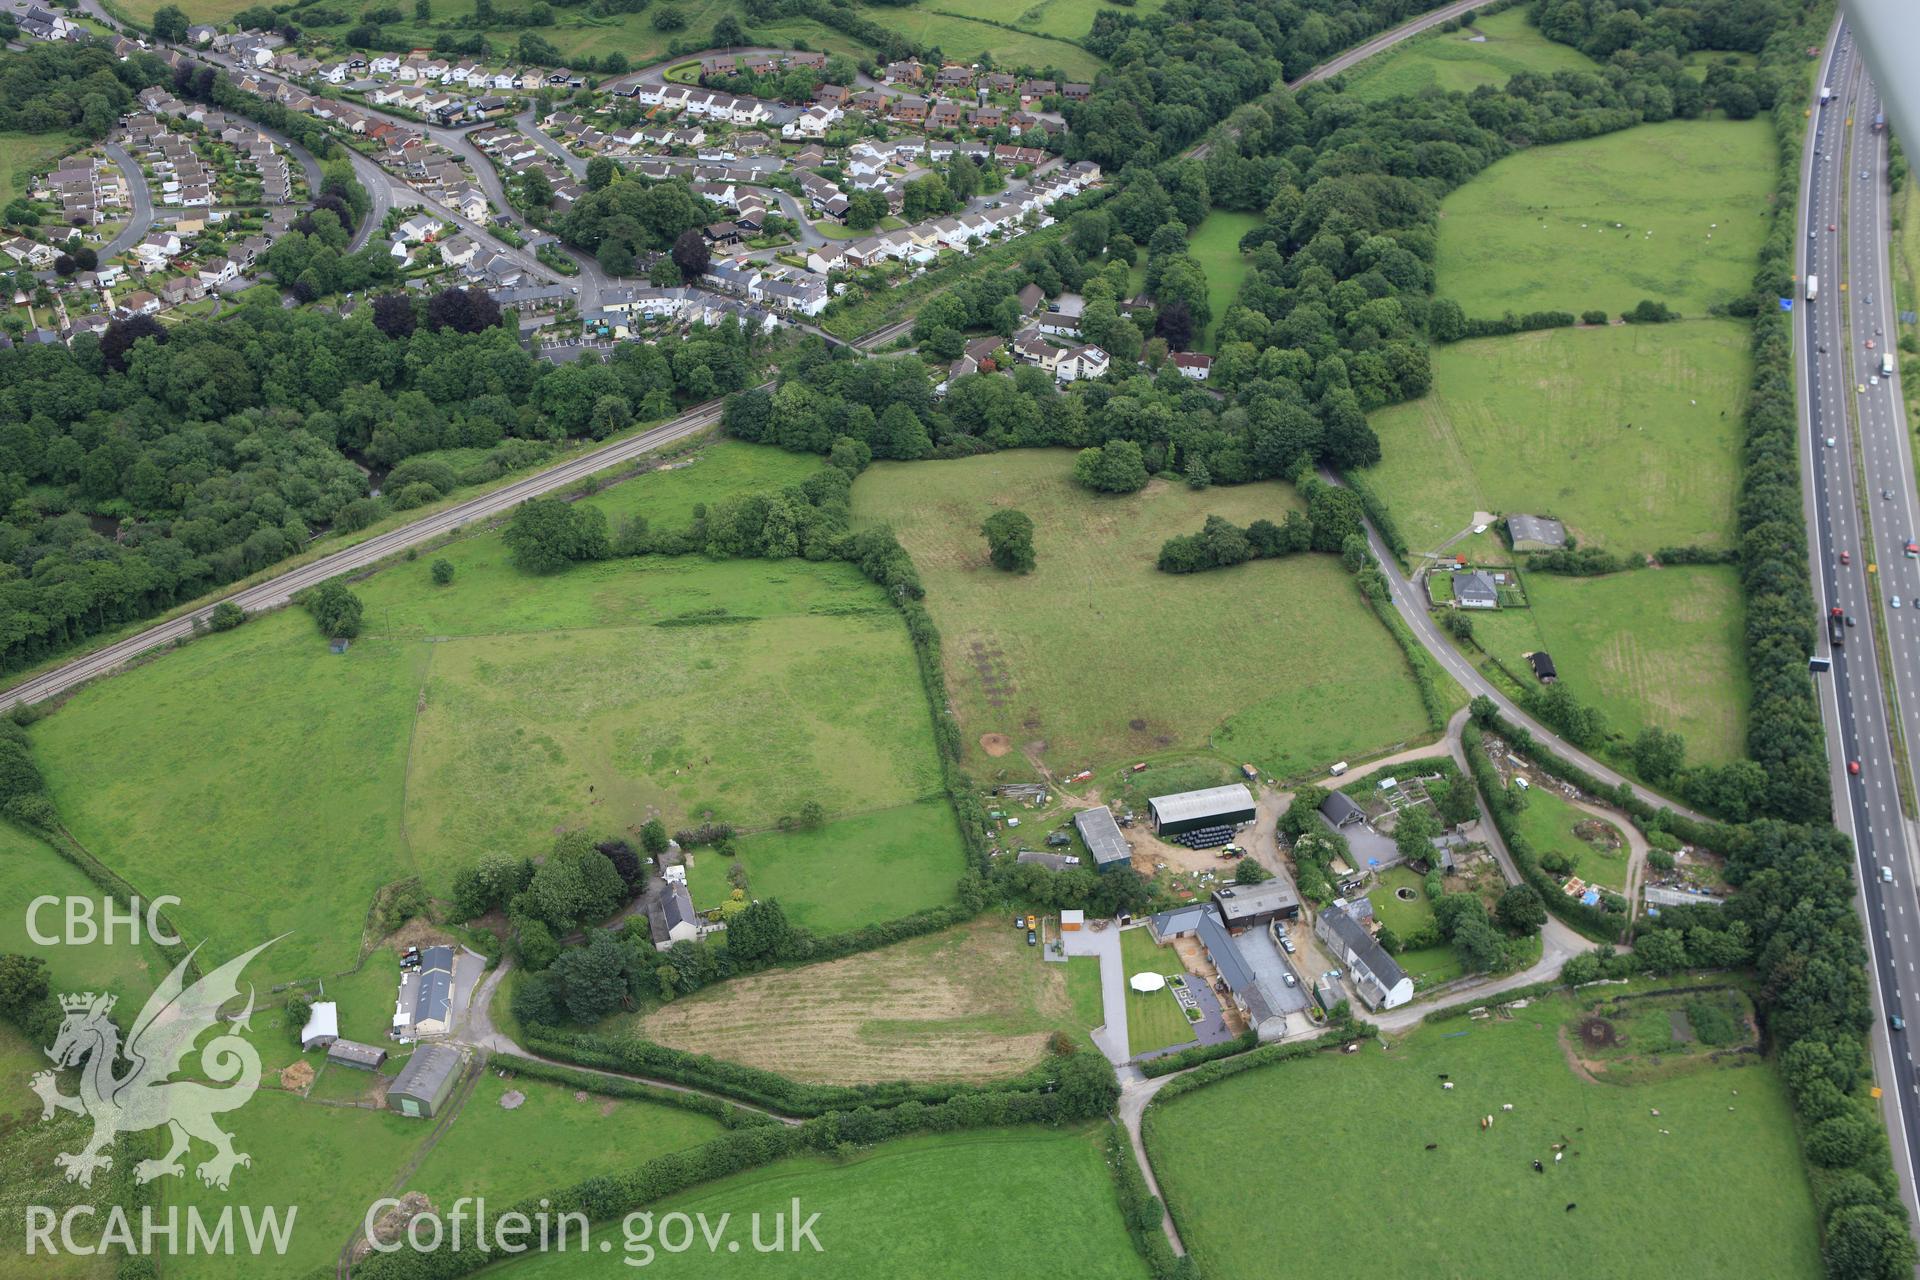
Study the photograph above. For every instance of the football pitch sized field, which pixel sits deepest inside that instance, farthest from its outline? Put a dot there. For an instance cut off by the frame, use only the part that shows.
(1581, 225)
(1367, 1167)
(1492, 51)
(986, 1203)
(1097, 655)
(274, 786)
(1629, 434)
(1663, 647)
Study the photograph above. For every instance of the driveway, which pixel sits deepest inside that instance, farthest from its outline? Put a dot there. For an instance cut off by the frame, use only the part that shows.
(1103, 942)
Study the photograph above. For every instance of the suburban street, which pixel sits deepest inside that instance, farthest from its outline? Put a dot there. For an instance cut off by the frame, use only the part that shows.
(139, 204)
(1850, 262)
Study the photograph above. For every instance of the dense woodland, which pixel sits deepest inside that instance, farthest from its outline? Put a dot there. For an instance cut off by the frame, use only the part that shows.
(150, 465)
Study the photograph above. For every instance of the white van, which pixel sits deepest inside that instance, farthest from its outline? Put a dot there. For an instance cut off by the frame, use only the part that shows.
(1523, 784)
(1338, 769)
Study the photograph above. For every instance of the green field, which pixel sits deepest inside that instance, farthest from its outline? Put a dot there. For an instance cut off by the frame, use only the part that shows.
(986, 1203)
(22, 155)
(330, 1162)
(1538, 423)
(554, 1138)
(1065, 19)
(1661, 647)
(1354, 1131)
(961, 39)
(970, 1003)
(29, 869)
(28, 1174)
(900, 851)
(1491, 52)
(1548, 822)
(1096, 638)
(1578, 225)
(275, 787)
(1215, 245)
(254, 776)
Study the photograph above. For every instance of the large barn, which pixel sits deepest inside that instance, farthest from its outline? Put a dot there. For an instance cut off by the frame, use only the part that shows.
(1104, 840)
(1227, 806)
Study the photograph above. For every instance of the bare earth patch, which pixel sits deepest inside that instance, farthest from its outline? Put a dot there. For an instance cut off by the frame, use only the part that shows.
(995, 744)
(297, 1077)
(953, 1006)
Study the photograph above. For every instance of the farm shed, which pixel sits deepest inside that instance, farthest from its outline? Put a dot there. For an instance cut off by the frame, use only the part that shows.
(351, 1053)
(1536, 533)
(1181, 922)
(323, 1026)
(1109, 848)
(1340, 810)
(1249, 906)
(1542, 664)
(1190, 810)
(1476, 590)
(1376, 976)
(426, 1082)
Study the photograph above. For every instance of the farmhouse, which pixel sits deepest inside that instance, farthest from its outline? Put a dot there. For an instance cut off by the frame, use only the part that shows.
(426, 1082)
(1249, 906)
(1190, 810)
(323, 1026)
(425, 1007)
(1536, 533)
(1542, 663)
(1376, 976)
(1109, 847)
(351, 1053)
(1476, 590)
(1340, 810)
(670, 916)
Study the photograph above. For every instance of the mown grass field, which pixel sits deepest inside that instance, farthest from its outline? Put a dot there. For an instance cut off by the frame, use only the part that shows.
(666, 497)
(332, 1162)
(22, 155)
(1538, 423)
(1215, 245)
(274, 787)
(552, 1139)
(971, 1003)
(1492, 51)
(906, 849)
(1661, 647)
(986, 1203)
(1096, 639)
(1566, 227)
(1350, 1122)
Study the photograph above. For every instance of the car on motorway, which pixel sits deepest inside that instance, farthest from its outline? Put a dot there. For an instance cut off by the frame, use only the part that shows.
(1896, 602)
(1829, 226)
(1873, 379)
(1829, 442)
(1887, 494)
(1869, 344)
(1846, 557)
(1853, 767)
(1886, 875)
(1897, 1022)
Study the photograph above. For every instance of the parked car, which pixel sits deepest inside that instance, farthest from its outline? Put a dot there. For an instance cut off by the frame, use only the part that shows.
(1032, 938)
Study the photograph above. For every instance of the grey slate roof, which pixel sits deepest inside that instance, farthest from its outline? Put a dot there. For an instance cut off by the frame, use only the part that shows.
(1340, 810)
(433, 999)
(1354, 937)
(1188, 805)
(1548, 533)
(1102, 834)
(1240, 903)
(1478, 585)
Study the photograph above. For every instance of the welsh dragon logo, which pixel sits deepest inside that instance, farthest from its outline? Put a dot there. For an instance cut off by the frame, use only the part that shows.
(145, 1096)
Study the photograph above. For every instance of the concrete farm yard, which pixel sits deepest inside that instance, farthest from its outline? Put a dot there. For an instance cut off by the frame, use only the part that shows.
(1723, 1186)
(1097, 656)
